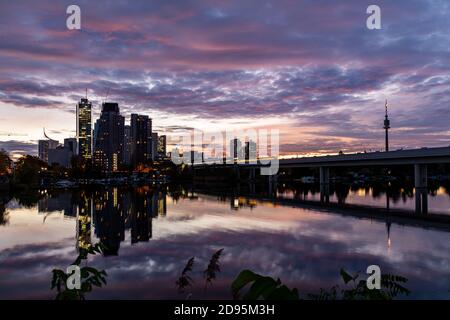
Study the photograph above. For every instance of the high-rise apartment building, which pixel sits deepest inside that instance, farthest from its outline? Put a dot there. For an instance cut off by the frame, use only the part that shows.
(127, 145)
(84, 128)
(109, 142)
(71, 144)
(141, 134)
(154, 146)
(44, 146)
(236, 151)
(250, 151)
(162, 140)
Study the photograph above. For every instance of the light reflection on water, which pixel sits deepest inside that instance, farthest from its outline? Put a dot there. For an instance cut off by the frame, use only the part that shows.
(151, 235)
(401, 198)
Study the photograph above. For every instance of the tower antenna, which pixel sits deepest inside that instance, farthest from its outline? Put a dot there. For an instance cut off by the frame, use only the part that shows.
(387, 126)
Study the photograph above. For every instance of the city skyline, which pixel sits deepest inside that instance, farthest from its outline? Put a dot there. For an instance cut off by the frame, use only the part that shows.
(313, 71)
(249, 151)
(110, 145)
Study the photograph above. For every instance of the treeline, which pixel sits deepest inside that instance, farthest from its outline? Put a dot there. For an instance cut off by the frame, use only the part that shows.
(30, 172)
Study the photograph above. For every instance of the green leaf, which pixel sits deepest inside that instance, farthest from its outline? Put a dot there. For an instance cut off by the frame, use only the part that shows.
(346, 277)
(283, 293)
(263, 286)
(244, 278)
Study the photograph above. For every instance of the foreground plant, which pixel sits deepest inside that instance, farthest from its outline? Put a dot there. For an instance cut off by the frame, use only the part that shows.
(210, 273)
(89, 277)
(185, 280)
(267, 288)
(262, 287)
(213, 268)
(391, 287)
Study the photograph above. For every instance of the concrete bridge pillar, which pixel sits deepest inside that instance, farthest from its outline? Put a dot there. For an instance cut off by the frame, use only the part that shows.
(324, 184)
(252, 188)
(237, 172)
(273, 181)
(252, 174)
(420, 184)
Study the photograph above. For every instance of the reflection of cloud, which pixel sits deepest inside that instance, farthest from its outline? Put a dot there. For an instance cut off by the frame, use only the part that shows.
(304, 248)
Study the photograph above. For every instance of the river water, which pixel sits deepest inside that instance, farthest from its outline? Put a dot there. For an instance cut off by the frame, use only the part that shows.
(151, 233)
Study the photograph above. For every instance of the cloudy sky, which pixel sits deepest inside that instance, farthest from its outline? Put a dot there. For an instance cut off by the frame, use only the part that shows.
(311, 69)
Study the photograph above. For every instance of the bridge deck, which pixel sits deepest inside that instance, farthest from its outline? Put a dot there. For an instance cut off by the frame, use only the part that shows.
(413, 156)
(398, 157)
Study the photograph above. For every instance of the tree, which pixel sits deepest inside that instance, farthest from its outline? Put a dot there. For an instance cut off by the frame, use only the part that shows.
(5, 163)
(3, 214)
(28, 170)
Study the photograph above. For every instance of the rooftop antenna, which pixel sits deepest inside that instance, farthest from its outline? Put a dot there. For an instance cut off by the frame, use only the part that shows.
(86, 93)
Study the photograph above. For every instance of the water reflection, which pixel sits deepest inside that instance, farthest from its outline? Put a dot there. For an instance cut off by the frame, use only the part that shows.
(390, 195)
(151, 233)
(109, 213)
(3, 213)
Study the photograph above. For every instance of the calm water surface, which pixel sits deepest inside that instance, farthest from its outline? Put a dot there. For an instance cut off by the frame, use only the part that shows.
(151, 234)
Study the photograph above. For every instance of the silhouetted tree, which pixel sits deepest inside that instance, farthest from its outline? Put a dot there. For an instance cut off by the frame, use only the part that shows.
(28, 170)
(5, 163)
(3, 215)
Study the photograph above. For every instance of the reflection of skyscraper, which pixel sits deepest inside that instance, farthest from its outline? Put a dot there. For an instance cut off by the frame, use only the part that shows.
(141, 134)
(84, 128)
(109, 137)
(162, 205)
(84, 218)
(388, 229)
(62, 202)
(159, 204)
(109, 213)
(140, 216)
(109, 220)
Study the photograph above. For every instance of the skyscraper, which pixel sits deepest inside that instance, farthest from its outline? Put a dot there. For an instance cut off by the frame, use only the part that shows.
(141, 133)
(61, 156)
(127, 145)
(154, 146)
(250, 151)
(162, 146)
(84, 128)
(236, 152)
(109, 142)
(44, 146)
(71, 144)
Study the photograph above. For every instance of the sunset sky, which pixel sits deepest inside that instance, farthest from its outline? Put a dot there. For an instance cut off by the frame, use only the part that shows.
(311, 69)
